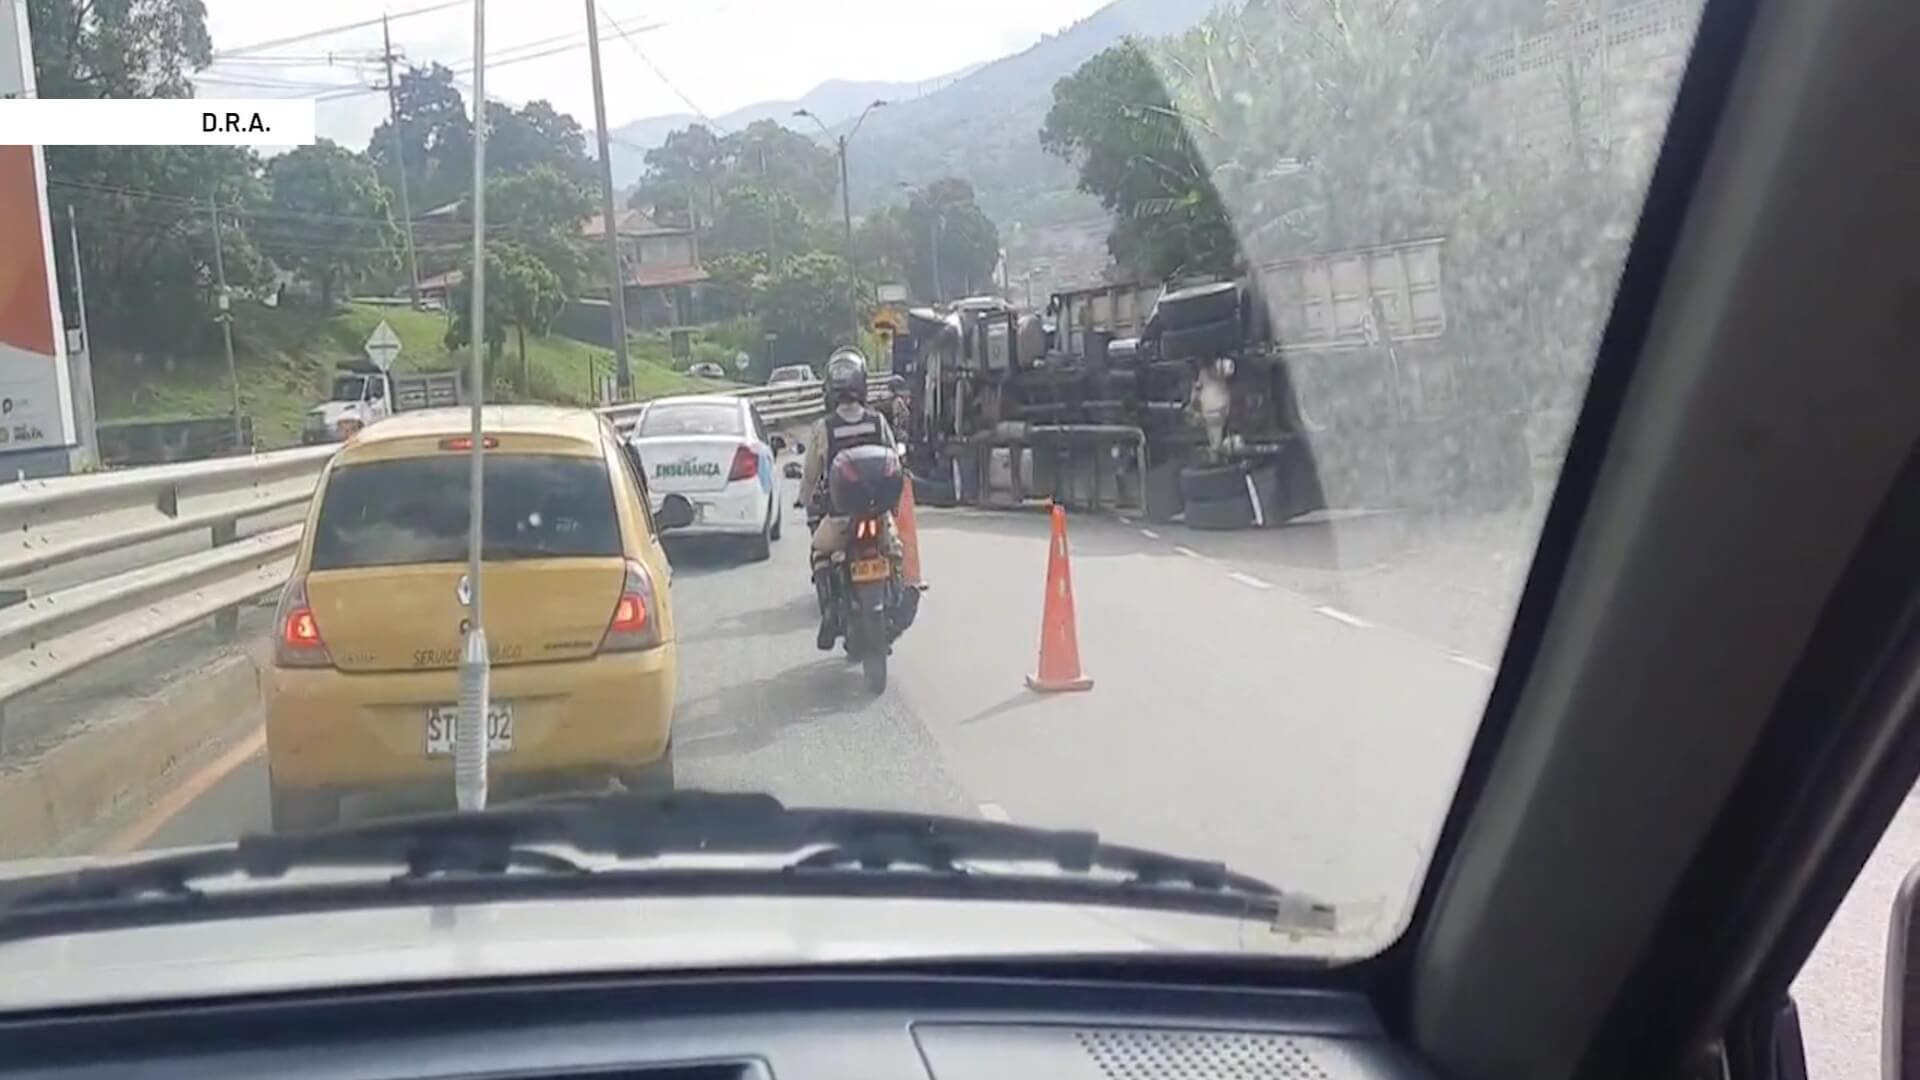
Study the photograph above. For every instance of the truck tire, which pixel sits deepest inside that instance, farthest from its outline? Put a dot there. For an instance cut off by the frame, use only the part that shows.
(1201, 342)
(1217, 514)
(1212, 483)
(932, 491)
(1161, 492)
(1201, 304)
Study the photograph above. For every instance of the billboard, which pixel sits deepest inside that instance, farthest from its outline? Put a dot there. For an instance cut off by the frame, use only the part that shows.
(36, 395)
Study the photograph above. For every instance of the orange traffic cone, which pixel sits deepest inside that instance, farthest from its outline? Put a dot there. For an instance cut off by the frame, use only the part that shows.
(1059, 642)
(909, 530)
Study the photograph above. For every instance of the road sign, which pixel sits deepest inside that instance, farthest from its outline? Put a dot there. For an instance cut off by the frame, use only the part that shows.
(383, 345)
(741, 360)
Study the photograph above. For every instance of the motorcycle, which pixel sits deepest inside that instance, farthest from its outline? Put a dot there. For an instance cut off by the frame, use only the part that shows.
(865, 590)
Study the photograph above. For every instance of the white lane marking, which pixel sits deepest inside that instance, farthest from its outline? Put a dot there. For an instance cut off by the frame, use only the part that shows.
(707, 736)
(1149, 534)
(1188, 552)
(1126, 521)
(995, 812)
(1468, 661)
(1337, 615)
(1250, 581)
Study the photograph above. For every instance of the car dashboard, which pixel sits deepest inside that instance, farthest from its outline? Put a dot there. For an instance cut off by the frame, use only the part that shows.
(773, 1027)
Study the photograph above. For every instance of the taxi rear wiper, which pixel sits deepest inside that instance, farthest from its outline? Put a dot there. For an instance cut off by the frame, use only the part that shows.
(625, 845)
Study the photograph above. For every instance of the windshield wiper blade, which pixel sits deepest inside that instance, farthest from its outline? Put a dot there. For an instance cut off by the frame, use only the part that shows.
(546, 849)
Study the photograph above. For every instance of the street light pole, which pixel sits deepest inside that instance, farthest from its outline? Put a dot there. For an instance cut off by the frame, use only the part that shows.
(225, 303)
(846, 200)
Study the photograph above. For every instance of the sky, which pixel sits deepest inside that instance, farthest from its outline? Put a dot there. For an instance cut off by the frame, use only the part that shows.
(678, 56)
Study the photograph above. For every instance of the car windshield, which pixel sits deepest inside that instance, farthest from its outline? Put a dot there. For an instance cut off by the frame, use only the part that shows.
(691, 418)
(1237, 343)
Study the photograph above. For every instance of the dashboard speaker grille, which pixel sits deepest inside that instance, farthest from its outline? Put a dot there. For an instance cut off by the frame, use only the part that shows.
(1149, 1054)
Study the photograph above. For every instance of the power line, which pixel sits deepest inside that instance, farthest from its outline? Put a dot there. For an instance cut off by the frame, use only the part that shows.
(655, 68)
(340, 29)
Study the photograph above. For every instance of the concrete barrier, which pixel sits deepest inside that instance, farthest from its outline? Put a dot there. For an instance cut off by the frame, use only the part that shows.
(120, 763)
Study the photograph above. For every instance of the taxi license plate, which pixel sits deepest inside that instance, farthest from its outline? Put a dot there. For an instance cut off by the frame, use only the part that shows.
(865, 570)
(440, 726)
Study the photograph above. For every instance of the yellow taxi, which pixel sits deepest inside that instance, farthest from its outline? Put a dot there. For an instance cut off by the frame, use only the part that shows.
(360, 696)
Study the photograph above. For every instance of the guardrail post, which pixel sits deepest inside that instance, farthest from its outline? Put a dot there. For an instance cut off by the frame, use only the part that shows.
(226, 622)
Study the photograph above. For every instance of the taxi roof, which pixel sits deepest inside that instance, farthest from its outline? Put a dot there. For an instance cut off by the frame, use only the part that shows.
(550, 420)
(544, 428)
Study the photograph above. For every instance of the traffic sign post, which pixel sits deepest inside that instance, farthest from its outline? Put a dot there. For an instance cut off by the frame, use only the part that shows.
(383, 346)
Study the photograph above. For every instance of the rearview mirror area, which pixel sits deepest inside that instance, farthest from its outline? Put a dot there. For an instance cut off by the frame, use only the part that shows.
(1900, 997)
(675, 513)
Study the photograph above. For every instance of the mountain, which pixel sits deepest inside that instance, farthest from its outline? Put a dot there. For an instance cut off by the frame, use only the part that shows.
(980, 123)
(985, 127)
(835, 101)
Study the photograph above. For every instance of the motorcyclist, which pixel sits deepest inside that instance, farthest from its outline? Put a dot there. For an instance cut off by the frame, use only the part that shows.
(849, 422)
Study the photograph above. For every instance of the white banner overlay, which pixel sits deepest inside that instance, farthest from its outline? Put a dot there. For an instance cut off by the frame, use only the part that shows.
(156, 122)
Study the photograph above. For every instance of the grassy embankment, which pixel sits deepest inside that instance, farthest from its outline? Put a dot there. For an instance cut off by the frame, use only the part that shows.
(286, 361)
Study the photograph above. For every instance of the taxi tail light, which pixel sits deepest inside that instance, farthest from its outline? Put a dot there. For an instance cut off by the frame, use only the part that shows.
(635, 623)
(297, 642)
(746, 465)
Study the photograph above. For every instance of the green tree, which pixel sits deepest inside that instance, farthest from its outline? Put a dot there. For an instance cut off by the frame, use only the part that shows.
(537, 136)
(954, 244)
(436, 139)
(542, 209)
(327, 217)
(522, 293)
(681, 172)
(1114, 119)
(809, 303)
(751, 217)
(117, 48)
(145, 234)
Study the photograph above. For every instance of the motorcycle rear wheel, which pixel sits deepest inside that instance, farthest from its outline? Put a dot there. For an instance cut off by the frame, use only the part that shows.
(874, 667)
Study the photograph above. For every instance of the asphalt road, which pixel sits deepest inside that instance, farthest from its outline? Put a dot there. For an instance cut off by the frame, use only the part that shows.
(1296, 703)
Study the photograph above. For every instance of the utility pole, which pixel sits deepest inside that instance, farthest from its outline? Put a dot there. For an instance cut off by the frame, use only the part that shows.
(616, 281)
(766, 180)
(225, 303)
(400, 159)
(934, 229)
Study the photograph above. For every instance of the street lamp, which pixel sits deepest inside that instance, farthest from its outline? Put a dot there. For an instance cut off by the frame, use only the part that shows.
(846, 199)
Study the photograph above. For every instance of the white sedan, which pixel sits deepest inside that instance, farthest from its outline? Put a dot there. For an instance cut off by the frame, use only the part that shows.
(716, 451)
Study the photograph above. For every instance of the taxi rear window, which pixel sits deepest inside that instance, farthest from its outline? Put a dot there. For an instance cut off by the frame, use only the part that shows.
(414, 510)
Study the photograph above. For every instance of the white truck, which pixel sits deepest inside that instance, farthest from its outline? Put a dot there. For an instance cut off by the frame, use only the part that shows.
(363, 394)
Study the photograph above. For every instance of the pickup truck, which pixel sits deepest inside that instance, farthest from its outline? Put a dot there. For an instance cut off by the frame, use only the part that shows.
(363, 395)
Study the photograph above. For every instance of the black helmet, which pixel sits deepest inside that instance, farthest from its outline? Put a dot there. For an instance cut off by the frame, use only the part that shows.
(846, 377)
(898, 384)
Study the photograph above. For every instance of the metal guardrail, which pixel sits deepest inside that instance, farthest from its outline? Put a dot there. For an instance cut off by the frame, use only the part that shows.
(47, 523)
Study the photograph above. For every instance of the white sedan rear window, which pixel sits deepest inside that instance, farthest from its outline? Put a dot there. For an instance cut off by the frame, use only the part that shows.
(692, 418)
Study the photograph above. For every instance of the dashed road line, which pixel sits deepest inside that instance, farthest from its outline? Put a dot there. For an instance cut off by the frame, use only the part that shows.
(1149, 534)
(995, 812)
(1188, 552)
(1337, 615)
(1468, 661)
(1250, 581)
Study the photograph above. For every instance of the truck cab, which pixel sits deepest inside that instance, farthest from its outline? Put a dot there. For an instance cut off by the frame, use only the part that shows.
(357, 398)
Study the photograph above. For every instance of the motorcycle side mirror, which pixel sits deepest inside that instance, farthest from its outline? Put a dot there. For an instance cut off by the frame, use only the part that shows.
(777, 443)
(675, 513)
(793, 471)
(1900, 1011)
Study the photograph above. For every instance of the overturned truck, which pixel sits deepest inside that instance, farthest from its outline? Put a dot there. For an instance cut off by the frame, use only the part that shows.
(1325, 382)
